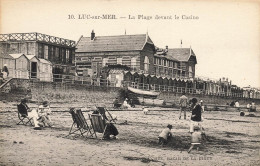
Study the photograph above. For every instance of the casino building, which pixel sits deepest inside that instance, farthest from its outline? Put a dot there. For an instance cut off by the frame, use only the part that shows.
(136, 52)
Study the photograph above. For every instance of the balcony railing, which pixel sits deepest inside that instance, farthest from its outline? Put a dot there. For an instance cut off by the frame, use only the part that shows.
(37, 37)
(88, 81)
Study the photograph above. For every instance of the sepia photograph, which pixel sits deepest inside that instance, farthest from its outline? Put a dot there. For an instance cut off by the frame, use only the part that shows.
(113, 82)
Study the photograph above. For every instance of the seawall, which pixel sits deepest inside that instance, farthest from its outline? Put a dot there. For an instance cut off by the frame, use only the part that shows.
(86, 96)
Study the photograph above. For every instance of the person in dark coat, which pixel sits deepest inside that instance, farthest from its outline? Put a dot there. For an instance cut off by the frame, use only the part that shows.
(111, 128)
(25, 111)
(5, 71)
(195, 115)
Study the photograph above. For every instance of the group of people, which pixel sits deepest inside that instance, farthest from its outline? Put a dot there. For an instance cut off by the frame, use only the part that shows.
(251, 107)
(234, 104)
(126, 104)
(196, 129)
(40, 116)
(196, 108)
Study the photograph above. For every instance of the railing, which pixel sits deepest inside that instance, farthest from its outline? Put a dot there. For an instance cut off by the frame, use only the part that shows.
(38, 37)
(88, 81)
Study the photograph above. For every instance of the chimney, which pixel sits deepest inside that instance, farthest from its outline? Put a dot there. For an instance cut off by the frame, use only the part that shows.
(166, 48)
(92, 35)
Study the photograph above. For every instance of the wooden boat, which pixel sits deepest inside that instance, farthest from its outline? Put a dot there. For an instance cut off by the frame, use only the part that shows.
(143, 92)
(152, 102)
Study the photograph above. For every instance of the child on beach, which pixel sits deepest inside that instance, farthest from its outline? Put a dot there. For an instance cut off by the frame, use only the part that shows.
(165, 135)
(196, 138)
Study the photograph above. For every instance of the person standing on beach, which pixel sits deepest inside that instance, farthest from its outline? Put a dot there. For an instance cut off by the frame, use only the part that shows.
(5, 71)
(183, 104)
(196, 115)
(253, 107)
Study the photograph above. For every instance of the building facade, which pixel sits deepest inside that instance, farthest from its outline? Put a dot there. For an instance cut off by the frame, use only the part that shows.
(60, 52)
(137, 52)
(175, 63)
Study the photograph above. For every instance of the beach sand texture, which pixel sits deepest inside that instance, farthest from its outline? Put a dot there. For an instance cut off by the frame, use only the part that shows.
(231, 140)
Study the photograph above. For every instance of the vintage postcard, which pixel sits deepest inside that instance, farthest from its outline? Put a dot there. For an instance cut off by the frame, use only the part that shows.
(113, 82)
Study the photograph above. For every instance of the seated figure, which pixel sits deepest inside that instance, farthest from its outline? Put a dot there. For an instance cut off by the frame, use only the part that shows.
(125, 104)
(24, 110)
(111, 129)
(44, 111)
(116, 103)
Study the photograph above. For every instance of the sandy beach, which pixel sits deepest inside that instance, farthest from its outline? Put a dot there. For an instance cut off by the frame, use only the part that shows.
(231, 140)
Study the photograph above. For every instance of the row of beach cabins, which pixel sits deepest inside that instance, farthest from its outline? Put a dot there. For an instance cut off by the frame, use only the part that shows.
(31, 67)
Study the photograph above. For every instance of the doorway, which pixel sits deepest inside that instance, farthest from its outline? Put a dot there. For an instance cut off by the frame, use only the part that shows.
(34, 70)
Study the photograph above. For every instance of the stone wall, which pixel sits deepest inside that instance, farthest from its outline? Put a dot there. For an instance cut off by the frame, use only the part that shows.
(86, 96)
(38, 92)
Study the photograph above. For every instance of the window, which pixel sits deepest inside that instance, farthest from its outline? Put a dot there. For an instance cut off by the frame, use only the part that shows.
(104, 62)
(67, 56)
(119, 61)
(46, 52)
(41, 50)
(146, 64)
(126, 60)
(190, 72)
(165, 71)
(97, 58)
(155, 70)
(112, 60)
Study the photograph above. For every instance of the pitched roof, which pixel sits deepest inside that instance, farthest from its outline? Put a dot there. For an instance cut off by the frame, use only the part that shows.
(181, 54)
(166, 57)
(113, 43)
(15, 56)
(5, 56)
(44, 61)
(30, 56)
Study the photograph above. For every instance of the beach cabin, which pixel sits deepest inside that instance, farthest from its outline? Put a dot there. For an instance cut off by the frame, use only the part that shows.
(27, 67)
(10, 62)
(45, 70)
(21, 67)
(40, 68)
(33, 66)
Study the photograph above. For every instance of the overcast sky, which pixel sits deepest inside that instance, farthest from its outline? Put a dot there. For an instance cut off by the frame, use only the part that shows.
(225, 36)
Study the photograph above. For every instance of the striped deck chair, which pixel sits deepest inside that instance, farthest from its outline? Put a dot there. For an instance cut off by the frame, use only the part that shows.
(98, 123)
(103, 110)
(24, 119)
(80, 124)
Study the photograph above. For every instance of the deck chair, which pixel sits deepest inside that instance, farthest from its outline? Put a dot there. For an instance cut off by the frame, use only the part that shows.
(24, 119)
(103, 110)
(98, 123)
(80, 124)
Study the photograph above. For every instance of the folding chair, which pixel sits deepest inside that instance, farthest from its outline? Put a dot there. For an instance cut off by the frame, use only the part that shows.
(103, 111)
(24, 119)
(80, 124)
(98, 123)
